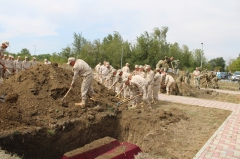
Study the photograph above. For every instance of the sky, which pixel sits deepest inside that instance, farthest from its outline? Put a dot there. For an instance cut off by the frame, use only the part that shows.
(47, 26)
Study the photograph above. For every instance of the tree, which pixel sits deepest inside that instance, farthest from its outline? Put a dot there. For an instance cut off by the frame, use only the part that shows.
(217, 64)
(235, 65)
(24, 52)
(78, 43)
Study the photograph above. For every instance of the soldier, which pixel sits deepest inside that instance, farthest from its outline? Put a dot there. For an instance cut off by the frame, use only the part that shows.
(141, 71)
(103, 72)
(110, 68)
(82, 69)
(142, 84)
(120, 76)
(4, 62)
(26, 65)
(2, 67)
(196, 75)
(187, 77)
(9, 63)
(97, 68)
(126, 68)
(169, 81)
(18, 64)
(156, 85)
(180, 82)
(161, 64)
(110, 78)
(46, 62)
(215, 82)
(206, 80)
(168, 62)
(175, 66)
(136, 71)
(33, 62)
(150, 79)
(3, 47)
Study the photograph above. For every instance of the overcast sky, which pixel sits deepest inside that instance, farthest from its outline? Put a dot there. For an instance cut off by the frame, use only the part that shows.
(49, 25)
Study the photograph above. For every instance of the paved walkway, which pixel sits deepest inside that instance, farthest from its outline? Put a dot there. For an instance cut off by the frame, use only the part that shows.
(225, 142)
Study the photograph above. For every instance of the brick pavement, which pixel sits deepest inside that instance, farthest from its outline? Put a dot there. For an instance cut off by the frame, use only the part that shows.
(225, 142)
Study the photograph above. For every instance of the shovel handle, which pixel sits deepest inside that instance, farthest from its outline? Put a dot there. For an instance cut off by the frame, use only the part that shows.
(67, 92)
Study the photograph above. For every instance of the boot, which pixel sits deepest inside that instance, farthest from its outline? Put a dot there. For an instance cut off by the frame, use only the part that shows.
(82, 104)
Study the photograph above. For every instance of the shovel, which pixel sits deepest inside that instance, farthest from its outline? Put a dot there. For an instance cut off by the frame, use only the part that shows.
(66, 94)
(127, 100)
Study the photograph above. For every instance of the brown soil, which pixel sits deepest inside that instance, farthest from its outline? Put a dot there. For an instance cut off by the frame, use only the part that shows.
(36, 123)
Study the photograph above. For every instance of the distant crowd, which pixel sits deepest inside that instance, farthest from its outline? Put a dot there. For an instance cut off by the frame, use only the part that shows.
(9, 66)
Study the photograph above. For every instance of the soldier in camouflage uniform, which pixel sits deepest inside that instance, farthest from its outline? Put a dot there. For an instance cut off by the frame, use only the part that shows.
(187, 77)
(179, 82)
(215, 82)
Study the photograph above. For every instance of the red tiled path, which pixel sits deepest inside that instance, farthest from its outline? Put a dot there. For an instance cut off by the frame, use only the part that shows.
(225, 142)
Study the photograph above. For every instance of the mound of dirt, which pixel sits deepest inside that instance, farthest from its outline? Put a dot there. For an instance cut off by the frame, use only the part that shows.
(33, 111)
(33, 97)
(188, 90)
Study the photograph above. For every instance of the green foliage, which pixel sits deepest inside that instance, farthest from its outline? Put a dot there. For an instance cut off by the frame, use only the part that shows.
(217, 64)
(235, 65)
(149, 48)
(51, 132)
(42, 57)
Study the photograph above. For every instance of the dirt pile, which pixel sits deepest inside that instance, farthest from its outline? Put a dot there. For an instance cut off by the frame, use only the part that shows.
(33, 97)
(35, 123)
(188, 90)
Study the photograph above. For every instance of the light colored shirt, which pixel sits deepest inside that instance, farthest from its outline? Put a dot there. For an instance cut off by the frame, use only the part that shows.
(97, 68)
(18, 64)
(103, 70)
(196, 73)
(150, 77)
(80, 68)
(2, 62)
(47, 62)
(26, 64)
(9, 63)
(33, 63)
(126, 69)
(1, 51)
(169, 78)
(140, 82)
(142, 74)
(157, 79)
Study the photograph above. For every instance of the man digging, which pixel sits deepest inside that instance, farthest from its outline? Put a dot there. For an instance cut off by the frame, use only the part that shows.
(82, 69)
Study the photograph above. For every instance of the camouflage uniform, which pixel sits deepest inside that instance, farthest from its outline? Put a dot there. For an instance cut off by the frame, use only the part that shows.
(187, 77)
(179, 82)
(175, 67)
(215, 82)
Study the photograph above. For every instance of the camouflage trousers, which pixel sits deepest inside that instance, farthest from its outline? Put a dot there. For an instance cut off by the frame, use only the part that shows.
(86, 87)
(156, 88)
(1, 73)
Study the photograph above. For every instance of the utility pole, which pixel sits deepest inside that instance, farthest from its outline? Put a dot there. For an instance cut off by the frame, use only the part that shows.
(201, 55)
(122, 56)
(34, 50)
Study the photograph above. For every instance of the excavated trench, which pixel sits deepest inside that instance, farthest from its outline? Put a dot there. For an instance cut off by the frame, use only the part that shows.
(140, 127)
(61, 138)
(34, 123)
